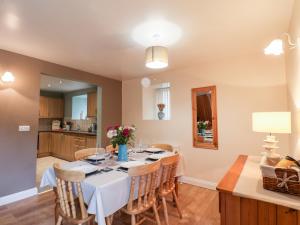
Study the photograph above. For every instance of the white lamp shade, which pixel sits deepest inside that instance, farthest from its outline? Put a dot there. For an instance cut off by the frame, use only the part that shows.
(156, 57)
(271, 122)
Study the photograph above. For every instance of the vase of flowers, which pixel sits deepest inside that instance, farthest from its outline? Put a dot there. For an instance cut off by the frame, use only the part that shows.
(202, 126)
(121, 136)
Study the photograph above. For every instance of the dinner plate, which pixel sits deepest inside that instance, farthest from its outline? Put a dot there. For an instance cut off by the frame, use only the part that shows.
(159, 156)
(130, 164)
(96, 157)
(85, 168)
(154, 150)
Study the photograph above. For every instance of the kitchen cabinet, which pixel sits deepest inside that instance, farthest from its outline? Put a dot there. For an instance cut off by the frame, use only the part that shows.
(67, 151)
(51, 107)
(91, 142)
(55, 108)
(92, 104)
(64, 145)
(56, 144)
(43, 113)
(44, 144)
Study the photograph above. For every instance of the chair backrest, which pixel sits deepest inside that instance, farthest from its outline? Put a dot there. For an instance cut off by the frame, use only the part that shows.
(144, 181)
(110, 148)
(165, 147)
(169, 167)
(67, 181)
(84, 153)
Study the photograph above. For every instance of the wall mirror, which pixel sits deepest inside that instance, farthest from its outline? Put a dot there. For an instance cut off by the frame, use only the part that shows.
(205, 131)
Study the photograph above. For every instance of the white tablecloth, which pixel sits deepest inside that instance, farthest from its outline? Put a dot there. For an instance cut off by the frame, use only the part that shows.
(104, 193)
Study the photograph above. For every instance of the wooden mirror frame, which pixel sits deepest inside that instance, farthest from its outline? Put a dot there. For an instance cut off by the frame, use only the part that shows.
(196, 141)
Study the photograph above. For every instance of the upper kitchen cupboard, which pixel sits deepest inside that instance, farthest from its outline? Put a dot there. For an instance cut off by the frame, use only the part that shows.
(56, 107)
(51, 107)
(92, 104)
(43, 113)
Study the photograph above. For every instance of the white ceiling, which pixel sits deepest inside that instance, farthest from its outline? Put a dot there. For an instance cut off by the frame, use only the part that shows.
(54, 84)
(95, 35)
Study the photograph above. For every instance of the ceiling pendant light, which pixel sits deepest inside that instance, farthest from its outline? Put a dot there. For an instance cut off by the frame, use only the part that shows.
(156, 57)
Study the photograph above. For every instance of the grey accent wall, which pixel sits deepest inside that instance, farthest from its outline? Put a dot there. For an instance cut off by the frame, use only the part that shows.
(20, 106)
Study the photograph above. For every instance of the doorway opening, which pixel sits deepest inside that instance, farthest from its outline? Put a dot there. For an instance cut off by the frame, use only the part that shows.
(69, 120)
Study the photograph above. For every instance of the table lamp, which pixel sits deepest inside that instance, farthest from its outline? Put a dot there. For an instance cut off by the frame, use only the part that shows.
(271, 122)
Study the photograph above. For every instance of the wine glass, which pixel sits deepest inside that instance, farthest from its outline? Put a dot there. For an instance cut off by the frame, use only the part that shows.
(140, 145)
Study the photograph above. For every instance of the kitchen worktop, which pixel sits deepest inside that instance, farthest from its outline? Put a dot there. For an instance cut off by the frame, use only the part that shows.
(71, 132)
(244, 179)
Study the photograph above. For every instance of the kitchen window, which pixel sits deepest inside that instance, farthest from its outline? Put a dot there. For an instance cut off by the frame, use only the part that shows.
(79, 107)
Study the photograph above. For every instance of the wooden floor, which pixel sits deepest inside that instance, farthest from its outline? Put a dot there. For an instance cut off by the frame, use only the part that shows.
(199, 205)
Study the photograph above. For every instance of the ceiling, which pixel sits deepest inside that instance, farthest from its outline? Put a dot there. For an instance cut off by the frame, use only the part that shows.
(54, 84)
(96, 35)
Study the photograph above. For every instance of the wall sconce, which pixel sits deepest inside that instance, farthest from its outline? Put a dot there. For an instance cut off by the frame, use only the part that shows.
(276, 47)
(146, 82)
(8, 77)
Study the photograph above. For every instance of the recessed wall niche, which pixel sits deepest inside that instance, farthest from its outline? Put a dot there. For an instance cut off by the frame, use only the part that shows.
(156, 102)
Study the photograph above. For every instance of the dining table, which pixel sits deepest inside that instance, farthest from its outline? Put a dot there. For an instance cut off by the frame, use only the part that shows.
(107, 191)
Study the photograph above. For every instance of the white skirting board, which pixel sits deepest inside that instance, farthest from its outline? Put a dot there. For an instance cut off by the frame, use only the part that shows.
(18, 196)
(198, 182)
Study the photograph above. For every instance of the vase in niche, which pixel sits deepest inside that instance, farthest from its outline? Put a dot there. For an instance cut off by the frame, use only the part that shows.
(161, 114)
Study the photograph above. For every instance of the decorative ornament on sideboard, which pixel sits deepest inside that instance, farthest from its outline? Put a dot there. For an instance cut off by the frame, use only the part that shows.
(161, 114)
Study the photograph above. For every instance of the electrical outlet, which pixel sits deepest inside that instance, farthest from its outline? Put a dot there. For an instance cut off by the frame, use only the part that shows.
(23, 128)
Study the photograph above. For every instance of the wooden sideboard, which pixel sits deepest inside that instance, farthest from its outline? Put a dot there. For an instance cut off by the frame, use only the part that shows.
(238, 210)
(63, 145)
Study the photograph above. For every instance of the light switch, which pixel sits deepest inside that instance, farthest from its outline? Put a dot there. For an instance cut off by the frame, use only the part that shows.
(24, 128)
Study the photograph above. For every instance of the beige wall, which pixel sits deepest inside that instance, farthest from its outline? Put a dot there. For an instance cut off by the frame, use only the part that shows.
(293, 81)
(20, 105)
(244, 85)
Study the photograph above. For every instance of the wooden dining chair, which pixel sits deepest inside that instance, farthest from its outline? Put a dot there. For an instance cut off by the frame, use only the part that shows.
(169, 148)
(167, 183)
(144, 182)
(71, 208)
(84, 153)
(165, 147)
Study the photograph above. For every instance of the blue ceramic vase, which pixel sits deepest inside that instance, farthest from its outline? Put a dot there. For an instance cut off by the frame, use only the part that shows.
(122, 153)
